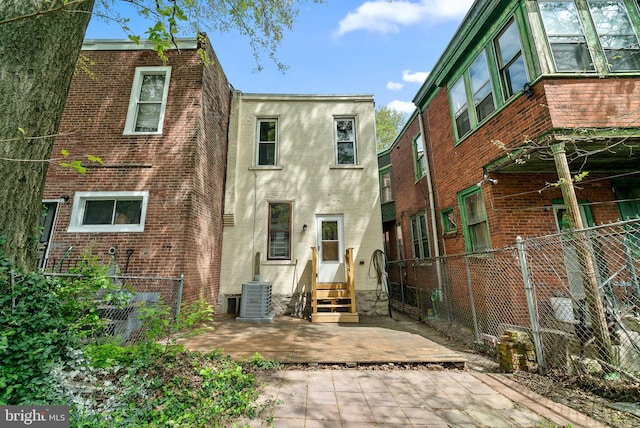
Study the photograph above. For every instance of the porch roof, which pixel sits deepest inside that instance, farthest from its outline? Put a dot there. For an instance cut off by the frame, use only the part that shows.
(603, 151)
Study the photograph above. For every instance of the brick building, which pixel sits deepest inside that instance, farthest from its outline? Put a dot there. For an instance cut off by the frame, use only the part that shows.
(473, 167)
(154, 206)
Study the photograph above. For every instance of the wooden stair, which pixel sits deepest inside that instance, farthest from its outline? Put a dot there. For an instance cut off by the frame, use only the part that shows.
(334, 302)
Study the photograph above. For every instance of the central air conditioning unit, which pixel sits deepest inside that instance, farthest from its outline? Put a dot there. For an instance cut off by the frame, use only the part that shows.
(255, 303)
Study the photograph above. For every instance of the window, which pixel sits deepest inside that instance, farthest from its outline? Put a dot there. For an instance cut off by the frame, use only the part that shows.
(279, 231)
(617, 38)
(148, 100)
(267, 138)
(448, 220)
(513, 72)
(476, 83)
(419, 156)
(109, 212)
(568, 28)
(460, 109)
(345, 141)
(386, 191)
(480, 81)
(399, 243)
(474, 220)
(420, 236)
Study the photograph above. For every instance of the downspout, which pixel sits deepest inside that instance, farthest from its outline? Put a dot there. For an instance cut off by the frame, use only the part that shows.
(432, 208)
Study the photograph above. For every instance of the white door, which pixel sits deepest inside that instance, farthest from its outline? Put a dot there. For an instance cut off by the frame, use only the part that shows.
(330, 249)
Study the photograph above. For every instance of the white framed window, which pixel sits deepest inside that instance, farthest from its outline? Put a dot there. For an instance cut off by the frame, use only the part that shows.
(345, 135)
(267, 142)
(420, 160)
(109, 211)
(148, 101)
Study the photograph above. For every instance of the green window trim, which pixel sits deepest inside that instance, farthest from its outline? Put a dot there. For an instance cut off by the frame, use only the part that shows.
(475, 222)
(482, 82)
(448, 220)
(585, 212)
(589, 21)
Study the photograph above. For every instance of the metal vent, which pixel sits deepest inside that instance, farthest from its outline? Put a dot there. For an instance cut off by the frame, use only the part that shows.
(255, 304)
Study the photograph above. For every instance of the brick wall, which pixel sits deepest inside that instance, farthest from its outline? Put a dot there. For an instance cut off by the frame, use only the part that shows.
(520, 204)
(181, 169)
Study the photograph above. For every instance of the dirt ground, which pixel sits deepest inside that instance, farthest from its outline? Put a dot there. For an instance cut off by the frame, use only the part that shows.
(590, 396)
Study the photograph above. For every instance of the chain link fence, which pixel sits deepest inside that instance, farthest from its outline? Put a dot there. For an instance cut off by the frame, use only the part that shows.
(569, 301)
(119, 304)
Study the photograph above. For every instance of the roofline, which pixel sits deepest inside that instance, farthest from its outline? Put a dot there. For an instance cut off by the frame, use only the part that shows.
(307, 97)
(129, 45)
(462, 37)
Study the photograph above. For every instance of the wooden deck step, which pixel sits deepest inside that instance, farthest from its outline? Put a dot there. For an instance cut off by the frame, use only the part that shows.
(333, 294)
(335, 317)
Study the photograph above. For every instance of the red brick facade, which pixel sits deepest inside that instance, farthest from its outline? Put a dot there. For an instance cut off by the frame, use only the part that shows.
(183, 169)
(520, 203)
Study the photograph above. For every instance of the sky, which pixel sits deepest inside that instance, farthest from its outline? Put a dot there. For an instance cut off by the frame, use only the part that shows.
(379, 47)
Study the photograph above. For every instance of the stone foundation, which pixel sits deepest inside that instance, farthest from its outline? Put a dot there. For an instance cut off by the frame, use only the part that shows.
(299, 305)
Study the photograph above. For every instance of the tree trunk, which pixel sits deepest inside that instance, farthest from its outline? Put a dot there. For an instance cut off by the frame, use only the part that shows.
(38, 54)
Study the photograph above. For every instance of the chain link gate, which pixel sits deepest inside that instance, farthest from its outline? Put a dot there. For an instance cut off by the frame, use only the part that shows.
(537, 288)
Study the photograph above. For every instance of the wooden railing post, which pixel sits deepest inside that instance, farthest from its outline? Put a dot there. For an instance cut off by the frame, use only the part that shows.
(314, 280)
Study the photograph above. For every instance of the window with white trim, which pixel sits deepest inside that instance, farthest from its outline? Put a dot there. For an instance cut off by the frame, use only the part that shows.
(420, 160)
(109, 211)
(148, 101)
(279, 246)
(386, 191)
(266, 152)
(345, 135)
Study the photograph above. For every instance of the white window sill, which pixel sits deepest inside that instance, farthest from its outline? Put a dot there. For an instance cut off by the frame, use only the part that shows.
(346, 167)
(134, 228)
(265, 168)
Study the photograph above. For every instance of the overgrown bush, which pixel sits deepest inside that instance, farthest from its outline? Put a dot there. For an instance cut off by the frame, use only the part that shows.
(34, 333)
(51, 353)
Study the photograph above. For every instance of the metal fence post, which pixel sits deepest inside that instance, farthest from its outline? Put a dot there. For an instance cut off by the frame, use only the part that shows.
(533, 314)
(401, 282)
(179, 298)
(472, 300)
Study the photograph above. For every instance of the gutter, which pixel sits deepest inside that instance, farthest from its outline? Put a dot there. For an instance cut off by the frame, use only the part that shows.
(434, 226)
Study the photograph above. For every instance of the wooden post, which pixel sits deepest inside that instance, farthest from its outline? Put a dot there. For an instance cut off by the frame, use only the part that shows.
(588, 273)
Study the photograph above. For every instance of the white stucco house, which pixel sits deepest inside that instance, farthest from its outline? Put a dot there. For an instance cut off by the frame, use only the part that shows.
(301, 205)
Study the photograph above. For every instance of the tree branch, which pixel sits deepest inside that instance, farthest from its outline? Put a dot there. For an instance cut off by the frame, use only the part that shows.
(43, 12)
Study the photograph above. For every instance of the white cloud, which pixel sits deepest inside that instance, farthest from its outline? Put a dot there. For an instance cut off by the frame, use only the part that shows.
(394, 86)
(402, 106)
(384, 16)
(417, 77)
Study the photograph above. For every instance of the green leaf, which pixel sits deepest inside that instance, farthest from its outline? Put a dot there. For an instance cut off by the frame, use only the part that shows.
(64, 152)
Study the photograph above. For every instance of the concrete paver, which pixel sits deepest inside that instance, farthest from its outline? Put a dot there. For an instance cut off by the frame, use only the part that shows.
(354, 397)
(393, 400)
